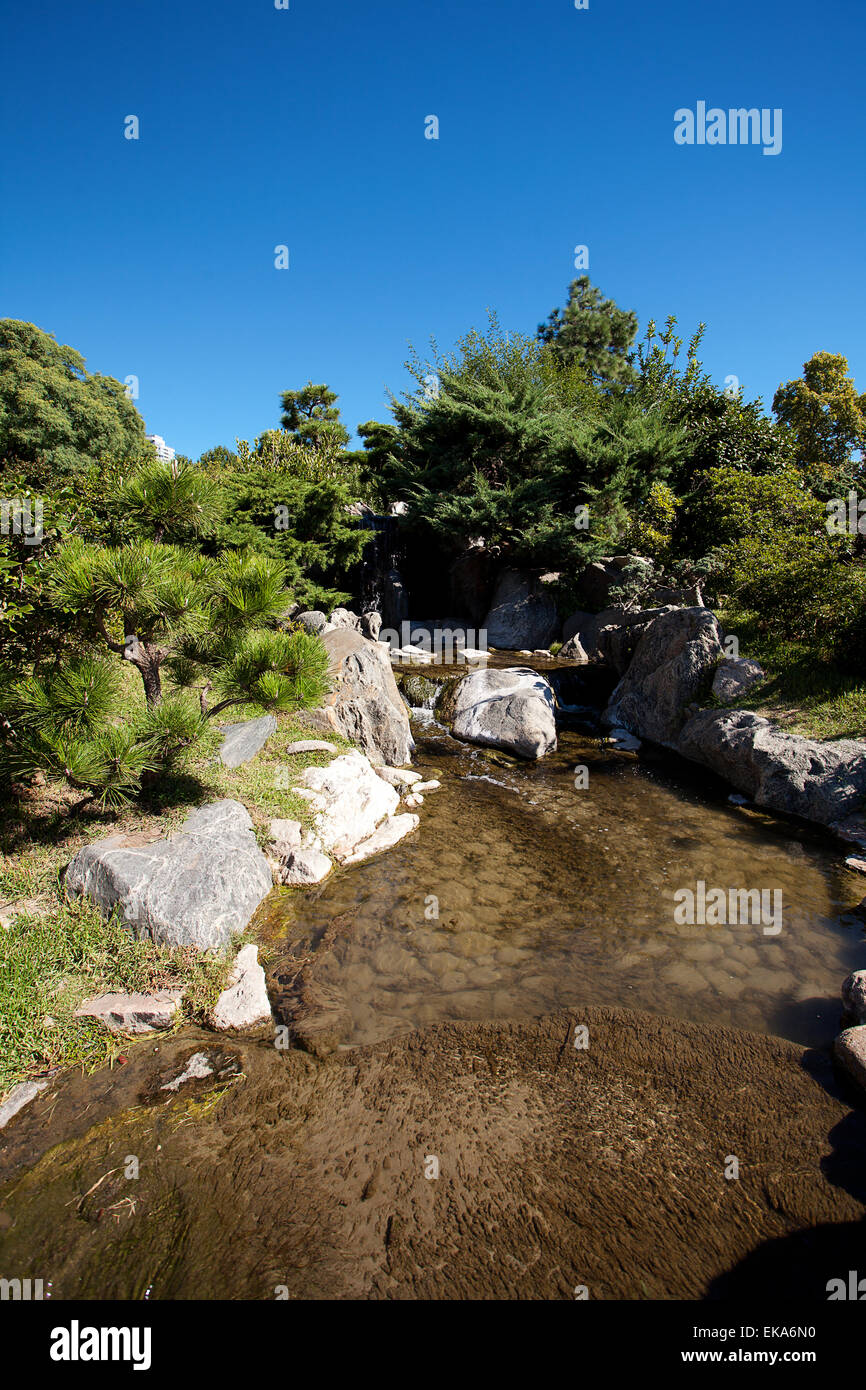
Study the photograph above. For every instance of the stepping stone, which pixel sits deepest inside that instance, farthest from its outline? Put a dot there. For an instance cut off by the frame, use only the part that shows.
(132, 1013)
(243, 741)
(311, 745)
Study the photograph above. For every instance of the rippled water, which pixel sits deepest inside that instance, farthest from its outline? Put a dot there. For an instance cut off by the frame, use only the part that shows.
(521, 893)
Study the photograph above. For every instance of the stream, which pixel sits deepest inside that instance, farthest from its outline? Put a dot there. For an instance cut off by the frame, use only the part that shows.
(523, 892)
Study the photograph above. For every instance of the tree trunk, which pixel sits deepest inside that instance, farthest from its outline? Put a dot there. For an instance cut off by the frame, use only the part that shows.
(147, 659)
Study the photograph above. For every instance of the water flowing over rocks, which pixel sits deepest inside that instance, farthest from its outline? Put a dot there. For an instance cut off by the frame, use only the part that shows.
(365, 704)
(672, 665)
(199, 887)
(243, 741)
(521, 613)
(511, 709)
(823, 782)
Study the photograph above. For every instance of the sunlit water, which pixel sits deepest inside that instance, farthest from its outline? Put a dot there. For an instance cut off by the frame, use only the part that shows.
(521, 893)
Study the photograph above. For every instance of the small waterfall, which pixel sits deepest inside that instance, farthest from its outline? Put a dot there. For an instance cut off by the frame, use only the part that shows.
(382, 588)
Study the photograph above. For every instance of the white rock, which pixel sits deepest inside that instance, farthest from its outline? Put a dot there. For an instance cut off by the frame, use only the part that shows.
(244, 1003)
(399, 776)
(285, 836)
(301, 867)
(351, 800)
(388, 834)
(856, 863)
(18, 1097)
(311, 745)
(510, 708)
(414, 800)
(472, 654)
(426, 786)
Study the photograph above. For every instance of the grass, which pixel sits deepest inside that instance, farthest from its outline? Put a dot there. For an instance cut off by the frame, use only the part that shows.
(55, 952)
(802, 693)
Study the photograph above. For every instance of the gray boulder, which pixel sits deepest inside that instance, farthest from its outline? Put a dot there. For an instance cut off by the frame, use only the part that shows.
(735, 675)
(594, 583)
(243, 741)
(823, 782)
(371, 625)
(521, 614)
(197, 888)
(511, 709)
(365, 704)
(671, 667)
(313, 620)
(341, 617)
(850, 1050)
(854, 995)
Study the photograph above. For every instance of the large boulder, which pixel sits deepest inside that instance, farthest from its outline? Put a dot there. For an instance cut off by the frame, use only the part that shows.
(823, 782)
(197, 888)
(365, 705)
(521, 615)
(672, 666)
(243, 741)
(609, 637)
(511, 709)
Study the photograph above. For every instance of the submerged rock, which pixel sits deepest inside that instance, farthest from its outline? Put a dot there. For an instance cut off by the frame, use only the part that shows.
(389, 833)
(511, 709)
(299, 867)
(200, 887)
(18, 1097)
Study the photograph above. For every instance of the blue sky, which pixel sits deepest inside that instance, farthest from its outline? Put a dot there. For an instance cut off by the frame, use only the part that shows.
(305, 127)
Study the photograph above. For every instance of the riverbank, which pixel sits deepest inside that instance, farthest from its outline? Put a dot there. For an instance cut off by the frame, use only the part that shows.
(55, 952)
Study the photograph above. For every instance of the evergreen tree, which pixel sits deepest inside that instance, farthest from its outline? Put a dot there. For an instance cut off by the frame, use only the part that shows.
(311, 415)
(592, 332)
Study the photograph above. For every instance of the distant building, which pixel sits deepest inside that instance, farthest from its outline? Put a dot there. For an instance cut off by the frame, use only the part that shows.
(162, 450)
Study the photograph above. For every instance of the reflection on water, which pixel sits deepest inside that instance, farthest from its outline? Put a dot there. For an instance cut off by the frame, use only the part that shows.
(521, 894)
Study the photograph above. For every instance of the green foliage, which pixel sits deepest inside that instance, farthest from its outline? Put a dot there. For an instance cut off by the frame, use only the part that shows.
(773, 562)
(172, 501)
(56, 419)
(653, 525)
(593, 333)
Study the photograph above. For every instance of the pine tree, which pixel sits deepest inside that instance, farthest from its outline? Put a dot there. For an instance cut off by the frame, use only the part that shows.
(594, 333)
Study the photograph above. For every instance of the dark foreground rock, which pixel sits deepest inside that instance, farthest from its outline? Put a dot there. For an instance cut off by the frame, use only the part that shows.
(197, 888)
(522, 615)
(558, 1168)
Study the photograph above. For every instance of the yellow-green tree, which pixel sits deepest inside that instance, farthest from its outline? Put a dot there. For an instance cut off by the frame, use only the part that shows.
(828, 421)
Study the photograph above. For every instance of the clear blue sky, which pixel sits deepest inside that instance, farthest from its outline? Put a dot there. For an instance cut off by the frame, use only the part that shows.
(305, 127)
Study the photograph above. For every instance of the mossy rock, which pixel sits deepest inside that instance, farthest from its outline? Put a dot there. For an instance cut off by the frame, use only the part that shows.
(419, 691)
(446, 699)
